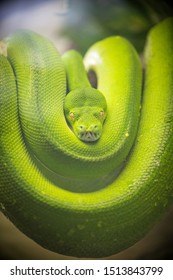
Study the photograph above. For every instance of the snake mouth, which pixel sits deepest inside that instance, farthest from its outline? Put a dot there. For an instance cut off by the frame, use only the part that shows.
(88, 133)
(89, 136)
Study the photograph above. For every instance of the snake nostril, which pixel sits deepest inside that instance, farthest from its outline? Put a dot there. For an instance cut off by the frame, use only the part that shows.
(93, 128)
(81, 128)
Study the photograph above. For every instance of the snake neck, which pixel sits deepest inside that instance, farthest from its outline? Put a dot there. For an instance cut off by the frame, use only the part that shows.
(75, 71)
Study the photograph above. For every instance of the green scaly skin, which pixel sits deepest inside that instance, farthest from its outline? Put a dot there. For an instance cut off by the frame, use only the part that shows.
(85, 107)
(75, 197)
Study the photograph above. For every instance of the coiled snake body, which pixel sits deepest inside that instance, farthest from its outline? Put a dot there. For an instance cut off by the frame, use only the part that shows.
(93, 192)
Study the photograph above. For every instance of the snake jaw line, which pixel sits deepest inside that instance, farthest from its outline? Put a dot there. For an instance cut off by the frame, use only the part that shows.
(89, 135)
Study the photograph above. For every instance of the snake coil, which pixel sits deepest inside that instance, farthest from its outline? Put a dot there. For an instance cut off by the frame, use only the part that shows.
(77, 198)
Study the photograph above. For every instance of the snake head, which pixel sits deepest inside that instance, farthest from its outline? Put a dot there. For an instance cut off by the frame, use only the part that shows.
(85, 111)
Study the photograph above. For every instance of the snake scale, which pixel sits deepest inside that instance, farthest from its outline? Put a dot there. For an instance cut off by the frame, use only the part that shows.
(86, 171)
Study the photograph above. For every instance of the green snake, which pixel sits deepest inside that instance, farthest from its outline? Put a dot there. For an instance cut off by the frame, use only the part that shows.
(86, 171)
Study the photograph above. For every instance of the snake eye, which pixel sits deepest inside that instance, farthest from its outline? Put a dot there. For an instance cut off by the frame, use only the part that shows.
(71, 116)
(102, 115)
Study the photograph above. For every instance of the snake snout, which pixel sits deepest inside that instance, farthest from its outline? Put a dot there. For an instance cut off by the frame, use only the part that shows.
(89, 133)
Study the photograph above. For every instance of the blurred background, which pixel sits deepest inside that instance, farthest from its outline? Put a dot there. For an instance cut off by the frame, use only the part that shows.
(78, 24)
